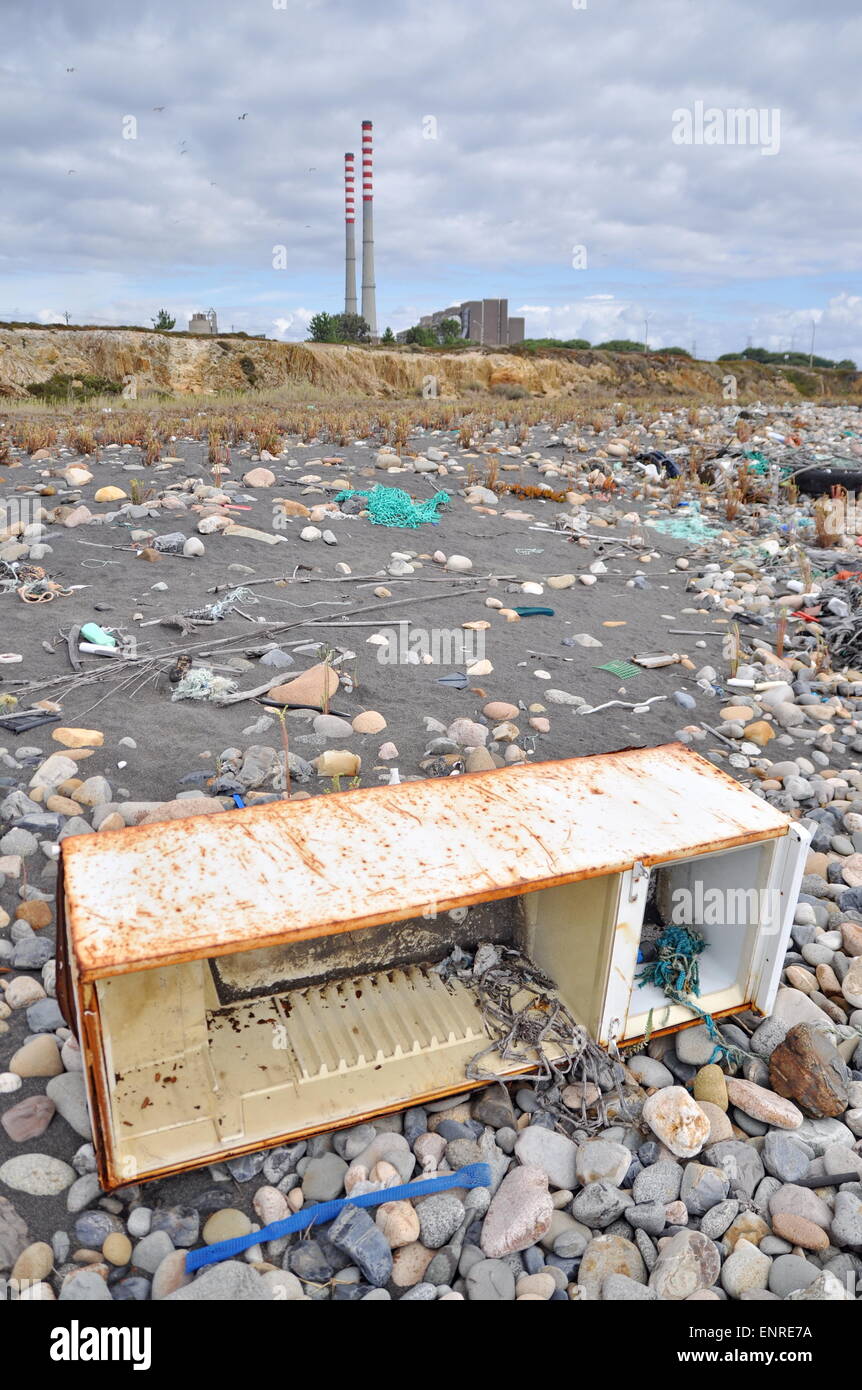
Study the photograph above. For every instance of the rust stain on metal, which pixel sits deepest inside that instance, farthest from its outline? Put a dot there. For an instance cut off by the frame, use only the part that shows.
(289, 871)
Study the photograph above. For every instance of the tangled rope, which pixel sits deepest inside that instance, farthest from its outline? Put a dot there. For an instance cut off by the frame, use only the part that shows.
(676, 972)
(392, 506)
(31, 583)
(524, 1030)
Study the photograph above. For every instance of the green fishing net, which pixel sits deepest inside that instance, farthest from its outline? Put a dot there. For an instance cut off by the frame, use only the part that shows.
(392, 506)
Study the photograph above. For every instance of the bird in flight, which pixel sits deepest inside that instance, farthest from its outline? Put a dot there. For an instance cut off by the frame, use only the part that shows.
(70, 69)
(243, 116)
(158, 108)
(71, 171)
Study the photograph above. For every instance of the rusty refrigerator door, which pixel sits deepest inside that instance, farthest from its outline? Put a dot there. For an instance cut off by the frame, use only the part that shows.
(741, 901)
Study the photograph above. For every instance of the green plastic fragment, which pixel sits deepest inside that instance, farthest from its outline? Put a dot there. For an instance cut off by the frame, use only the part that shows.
(624, 669)
(91, 632)
(686, 524)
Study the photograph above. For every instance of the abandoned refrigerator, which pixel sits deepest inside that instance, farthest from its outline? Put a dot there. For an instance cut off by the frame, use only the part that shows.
(243, 979)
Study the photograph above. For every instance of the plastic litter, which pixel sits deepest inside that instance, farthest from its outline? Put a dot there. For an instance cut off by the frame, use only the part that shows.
(676, 971)
(534, 612)
(392, 506)
(203, 684)
(687, 525)
(638, 705)
(171, 544)
(97, 636)
(98, 649)
(624, 669)
(27, 719)
(653, 660)
(474, 1175)
(661, 462)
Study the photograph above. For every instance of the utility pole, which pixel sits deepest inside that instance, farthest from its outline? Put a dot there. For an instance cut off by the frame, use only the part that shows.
(646, 333)
(811, 353)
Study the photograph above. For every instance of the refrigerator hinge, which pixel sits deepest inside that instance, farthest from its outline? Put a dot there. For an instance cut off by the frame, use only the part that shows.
(638, 872)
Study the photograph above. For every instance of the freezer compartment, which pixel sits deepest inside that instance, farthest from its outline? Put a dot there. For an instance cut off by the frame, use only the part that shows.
(202, 1059)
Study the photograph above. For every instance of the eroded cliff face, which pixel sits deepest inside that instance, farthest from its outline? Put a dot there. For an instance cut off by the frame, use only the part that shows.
(179, 366)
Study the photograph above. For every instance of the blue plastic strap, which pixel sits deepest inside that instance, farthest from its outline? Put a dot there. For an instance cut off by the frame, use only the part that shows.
(474, 1175)
(238, 801)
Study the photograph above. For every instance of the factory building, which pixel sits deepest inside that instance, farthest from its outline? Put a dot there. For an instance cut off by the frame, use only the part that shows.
(204, 323)
(484, 321)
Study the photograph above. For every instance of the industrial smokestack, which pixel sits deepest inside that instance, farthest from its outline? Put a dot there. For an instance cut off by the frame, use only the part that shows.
(369, 289)
(349, 237)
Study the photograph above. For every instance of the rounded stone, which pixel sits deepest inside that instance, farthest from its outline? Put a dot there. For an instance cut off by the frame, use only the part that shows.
(790, 1273)
(369, 722)
(40, 1175)
(709, 1085)
(34, 1263)
(117, 1249)
(520, 1213)
(609, 1254)
(687, 1263)
(497, 710)
(799, 1231)
(40, 1056)
(747, 1268)
(399, 1223)
(225, 1225)
(763, 1105)
(677, 1121)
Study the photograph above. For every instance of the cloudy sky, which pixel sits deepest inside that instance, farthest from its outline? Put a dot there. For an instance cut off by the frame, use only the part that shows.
(573, 155)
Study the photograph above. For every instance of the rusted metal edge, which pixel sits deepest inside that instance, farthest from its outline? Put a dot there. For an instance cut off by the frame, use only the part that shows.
(95, 962)
(177, 957)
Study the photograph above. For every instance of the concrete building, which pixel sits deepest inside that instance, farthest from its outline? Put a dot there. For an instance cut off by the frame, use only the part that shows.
(484, 321)
(204, 323)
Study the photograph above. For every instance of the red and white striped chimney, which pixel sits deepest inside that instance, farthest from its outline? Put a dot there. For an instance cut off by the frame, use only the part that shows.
(349, 236)
(369, 289)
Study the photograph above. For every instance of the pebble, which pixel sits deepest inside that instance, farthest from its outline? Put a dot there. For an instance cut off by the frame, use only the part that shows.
(519, 1215)
(745, 1269)
(677, 1121)
(551, 1152)
(439, 1218)
(490, 1281)
(606, 1255)
(687, 1263)
(39, 1175)
(762, 1104)
(650, 1072)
